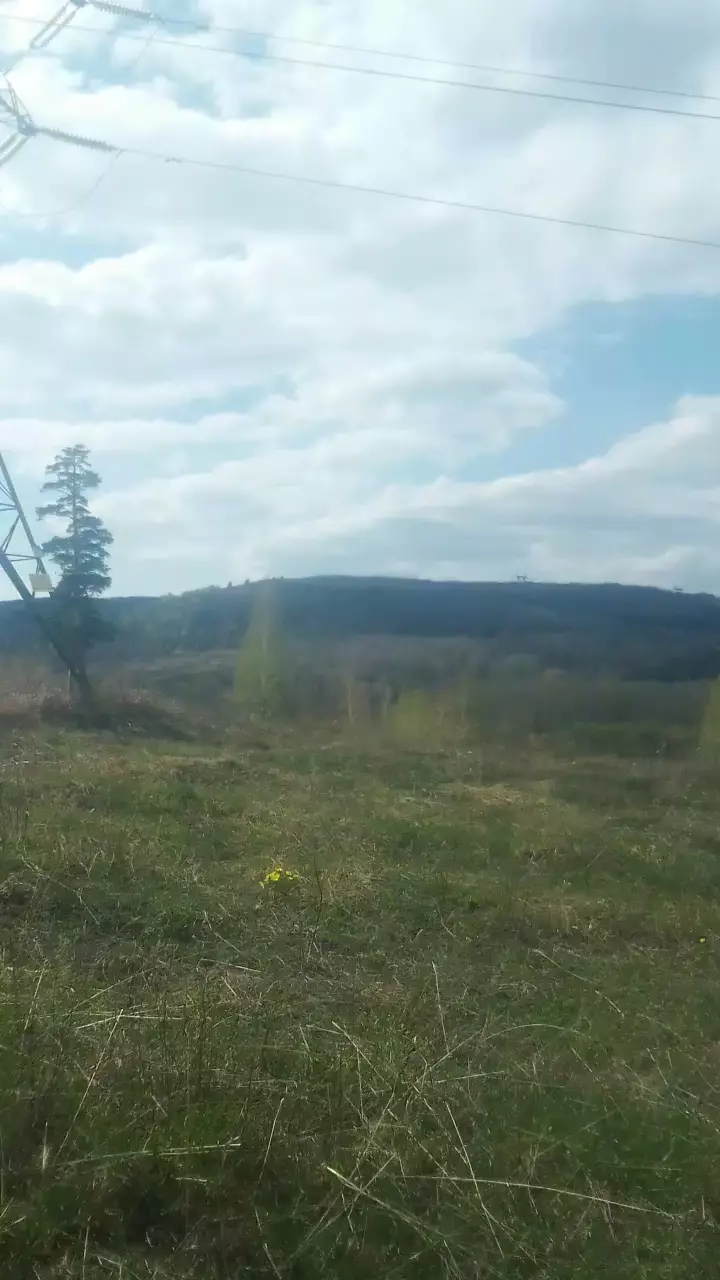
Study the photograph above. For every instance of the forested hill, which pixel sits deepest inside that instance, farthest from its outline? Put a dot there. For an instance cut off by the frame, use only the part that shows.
(639, 632)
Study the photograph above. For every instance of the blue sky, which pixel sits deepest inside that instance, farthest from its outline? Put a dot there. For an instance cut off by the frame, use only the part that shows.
(619, 365)
(277, 378)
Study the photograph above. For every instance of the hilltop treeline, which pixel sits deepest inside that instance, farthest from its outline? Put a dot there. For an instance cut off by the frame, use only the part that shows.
(604, 630)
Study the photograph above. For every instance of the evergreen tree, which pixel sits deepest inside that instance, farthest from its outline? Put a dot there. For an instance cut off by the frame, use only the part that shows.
(81, 552)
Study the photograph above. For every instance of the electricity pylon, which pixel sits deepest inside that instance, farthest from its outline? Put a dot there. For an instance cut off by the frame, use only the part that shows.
(17, 544)
(15, 117)
(13, 525)
(18, 547)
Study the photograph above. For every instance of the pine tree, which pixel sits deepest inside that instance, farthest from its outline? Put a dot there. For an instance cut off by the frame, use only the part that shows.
(81, 552)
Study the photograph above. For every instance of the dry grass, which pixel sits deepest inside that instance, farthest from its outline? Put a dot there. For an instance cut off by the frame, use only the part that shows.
(476, 1037)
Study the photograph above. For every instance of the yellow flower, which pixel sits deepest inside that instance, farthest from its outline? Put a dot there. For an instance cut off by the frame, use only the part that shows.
(703, 939)
(278, 876)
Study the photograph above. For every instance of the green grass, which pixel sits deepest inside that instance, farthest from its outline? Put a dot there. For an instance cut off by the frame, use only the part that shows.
(479, 1037)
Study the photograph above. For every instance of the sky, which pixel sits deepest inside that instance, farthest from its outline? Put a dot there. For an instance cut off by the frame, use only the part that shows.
(278, 378)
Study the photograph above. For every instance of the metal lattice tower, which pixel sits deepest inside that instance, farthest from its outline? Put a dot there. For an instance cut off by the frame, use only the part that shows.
(17, 543)
(15, 119)
(16, 124)
(16, 538)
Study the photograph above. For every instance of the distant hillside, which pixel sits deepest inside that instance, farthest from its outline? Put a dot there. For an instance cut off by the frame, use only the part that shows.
(636, 632)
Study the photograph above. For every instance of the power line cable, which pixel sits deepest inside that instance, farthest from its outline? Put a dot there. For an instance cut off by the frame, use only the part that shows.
(72, 6)
(113, 159)
(463, 206)
(400, 55)
(438, 62)
(385, 74)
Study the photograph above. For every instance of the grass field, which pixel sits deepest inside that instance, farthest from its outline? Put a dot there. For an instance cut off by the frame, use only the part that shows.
(474, 1032)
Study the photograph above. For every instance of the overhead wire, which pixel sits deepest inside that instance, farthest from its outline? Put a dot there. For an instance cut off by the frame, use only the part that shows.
(118, 150)
(464, 206)
(379, 72)
(112, 160)
(430, 61)
(401, 55)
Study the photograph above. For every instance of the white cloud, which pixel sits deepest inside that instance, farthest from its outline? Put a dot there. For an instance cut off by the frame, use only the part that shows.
(287, 377)
(641, 511)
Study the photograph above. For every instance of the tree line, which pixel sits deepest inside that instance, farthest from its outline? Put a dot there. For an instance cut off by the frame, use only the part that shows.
(511, 629)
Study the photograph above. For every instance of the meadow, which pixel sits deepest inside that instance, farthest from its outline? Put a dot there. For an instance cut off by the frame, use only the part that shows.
(310, 1003)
